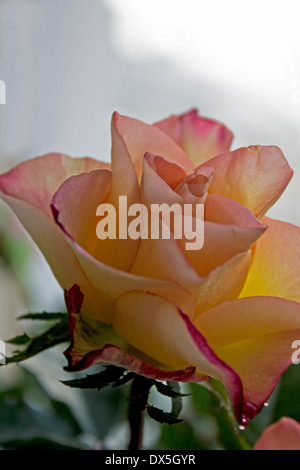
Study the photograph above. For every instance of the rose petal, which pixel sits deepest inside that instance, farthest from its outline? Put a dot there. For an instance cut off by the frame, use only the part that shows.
(74, 207)
(255, 176)
(36, 180)
(156, 327)
(141, 138)
(223, 283)
(253, 336)
(124, 180)
(275, 268)
(169, 171)
(200, 138)
(283, 435)
(96, 343)
(159, 258)
(28, 190)
(109, 283)
(222, 241)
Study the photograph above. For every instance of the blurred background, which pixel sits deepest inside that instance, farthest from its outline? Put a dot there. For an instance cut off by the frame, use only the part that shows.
(67, 66)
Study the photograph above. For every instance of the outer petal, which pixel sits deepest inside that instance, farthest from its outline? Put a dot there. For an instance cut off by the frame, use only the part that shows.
(275, 268)
(74, 207)
(141, 138)
(253, 335)
(255, 176)
(156, 327)
(96, 343)
(28, 190)
(283, 435)
(35, 181)
(199, 137)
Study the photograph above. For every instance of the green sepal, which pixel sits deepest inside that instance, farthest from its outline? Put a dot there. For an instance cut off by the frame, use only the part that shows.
(161, 416)
(108, 377)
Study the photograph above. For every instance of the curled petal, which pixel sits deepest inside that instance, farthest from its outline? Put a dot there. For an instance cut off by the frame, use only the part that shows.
(223, 239)
(255, 176)
(163, 258)
(75, 207)
(169, 171)
(141, 138)
(200, 138)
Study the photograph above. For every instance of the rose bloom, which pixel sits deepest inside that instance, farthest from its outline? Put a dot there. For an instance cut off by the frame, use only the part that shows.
(229, 311)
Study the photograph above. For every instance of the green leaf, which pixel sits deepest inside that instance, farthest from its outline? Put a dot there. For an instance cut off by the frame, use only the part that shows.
(44, 443)
(287, 401)
(28, 412)
(59, 333)
(170, 390)
(210, 399)
(161, 416)
(127, 377)
(44, 316)
(180, 437)
(22, 339)
(97, 381)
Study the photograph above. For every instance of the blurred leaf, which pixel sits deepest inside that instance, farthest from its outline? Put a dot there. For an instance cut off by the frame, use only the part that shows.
(22, 339)
(28, 413)
(47, 316)
(59, 333)
(161, 416)
(210, 399)
(43, 443)
(287, 402)
(106, 410)
(14, 251)
(98, 381)
(180, 437)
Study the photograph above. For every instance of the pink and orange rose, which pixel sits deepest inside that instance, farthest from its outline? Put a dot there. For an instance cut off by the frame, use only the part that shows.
(229, 311)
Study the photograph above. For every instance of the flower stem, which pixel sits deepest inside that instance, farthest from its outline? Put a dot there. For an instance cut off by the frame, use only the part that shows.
(137, 404)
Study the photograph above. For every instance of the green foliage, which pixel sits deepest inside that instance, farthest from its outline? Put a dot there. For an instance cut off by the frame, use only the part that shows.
(28, 417)
(209, 422)
(287, 401)
(211, 404)
(58, 333)
(97, 381)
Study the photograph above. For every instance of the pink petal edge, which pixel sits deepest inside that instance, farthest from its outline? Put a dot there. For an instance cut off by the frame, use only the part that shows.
(113, 355)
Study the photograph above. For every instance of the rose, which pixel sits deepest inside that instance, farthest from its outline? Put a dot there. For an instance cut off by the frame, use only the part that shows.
(282, 435)
(229, 311)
